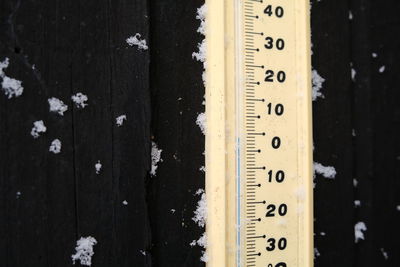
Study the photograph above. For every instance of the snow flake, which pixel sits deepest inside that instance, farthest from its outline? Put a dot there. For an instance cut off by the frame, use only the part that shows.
(357, 203)
(201, 122)
(201, 15)
(79, 100)
(350, 15)
(317, 82)
(84, 250)
(135, 40)
(125, 203)
(200, 55)
(355, 182)
(173, 211)
(142, 252)
(56, 105)
(326, 171)
(382, 69)
(398, 208)
(10, 86)
(120, 120)
(200, 214)
(98, 166)
(384, 253)
(316, 253)
(202, 169)
(55, 146)
(353, 74)
(359, 229)
(155, 158)
(38, 127)
(374, 55)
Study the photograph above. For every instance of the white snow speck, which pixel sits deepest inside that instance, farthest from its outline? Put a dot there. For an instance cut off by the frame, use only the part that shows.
(173, 211)
(384, 253)
(84, 250)
(55, 146)
(359, 229)
(98, 166)
(155, 158)
(200, 55)
(200, 214)
(323, 234)
(120, 120)
(202, 169)
(374, 55)
(382, 69)
(56, 105)
(357, 203)
(142, 252)
(11, 86)
(18, 195)
(201, 15)
(125, 203)
(317, 82)
(353, 74)
(326, 171)
(79, 100)
(201, 122)
(316, 253)
(350, 15)
(398, 207)
(135, 40)
(38, 127)
(355, 182)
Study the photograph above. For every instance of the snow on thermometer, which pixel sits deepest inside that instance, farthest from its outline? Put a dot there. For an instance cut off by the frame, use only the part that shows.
(258, 136)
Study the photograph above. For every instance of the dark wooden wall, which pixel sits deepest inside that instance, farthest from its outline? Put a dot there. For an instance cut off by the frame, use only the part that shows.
(79, 46)
(367, 106)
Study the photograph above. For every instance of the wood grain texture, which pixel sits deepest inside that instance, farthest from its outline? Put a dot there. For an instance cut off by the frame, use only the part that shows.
(177, 95)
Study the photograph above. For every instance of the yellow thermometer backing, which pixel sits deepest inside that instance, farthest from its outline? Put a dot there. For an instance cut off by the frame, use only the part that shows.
(258, 140)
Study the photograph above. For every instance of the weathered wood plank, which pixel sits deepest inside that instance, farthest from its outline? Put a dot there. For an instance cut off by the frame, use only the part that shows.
(177, 95)
(333, 200)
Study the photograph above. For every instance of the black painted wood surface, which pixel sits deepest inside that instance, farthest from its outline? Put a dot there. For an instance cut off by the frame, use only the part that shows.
(59, 48)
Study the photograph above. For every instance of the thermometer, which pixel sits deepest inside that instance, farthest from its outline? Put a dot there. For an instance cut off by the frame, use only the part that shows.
(259, 134)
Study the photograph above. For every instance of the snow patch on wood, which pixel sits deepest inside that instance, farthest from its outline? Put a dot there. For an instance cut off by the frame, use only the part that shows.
(38, 127)
(55, 146)
(120, 120)
(384, 254)
(57, 106)
(155, 158)
(200, 55)
(84, 250)
(10, 86)
(201, 122)
(317, 82)
(200, 214)
(135, 40)
(98, 166)
(326, 171)
(359, 229)
(79, 100)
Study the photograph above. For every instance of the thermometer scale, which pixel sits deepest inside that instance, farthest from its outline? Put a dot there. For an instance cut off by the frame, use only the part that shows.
(258, 140)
